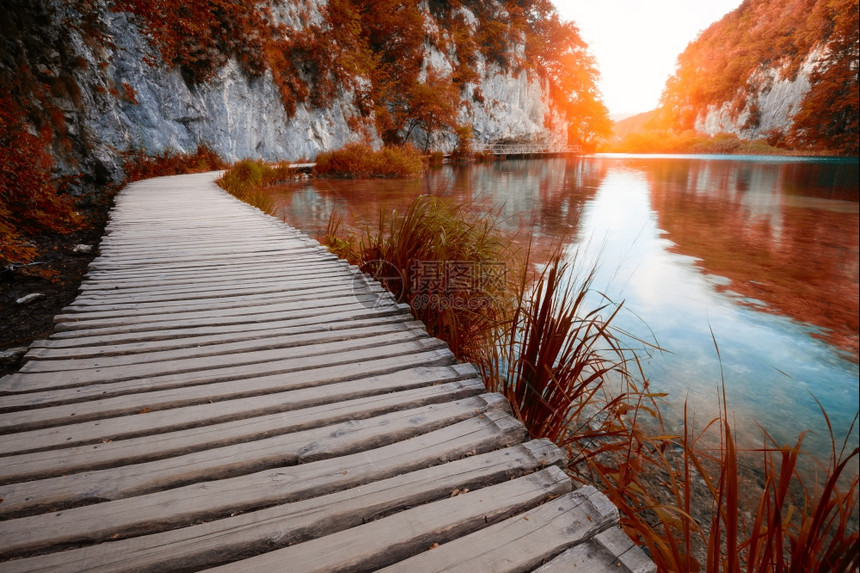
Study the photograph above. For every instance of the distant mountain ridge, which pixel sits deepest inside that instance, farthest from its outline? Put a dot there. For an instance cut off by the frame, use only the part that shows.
(785, 70)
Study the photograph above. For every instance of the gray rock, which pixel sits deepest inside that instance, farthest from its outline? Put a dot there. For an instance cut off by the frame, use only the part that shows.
(81, 249)
(30, 298)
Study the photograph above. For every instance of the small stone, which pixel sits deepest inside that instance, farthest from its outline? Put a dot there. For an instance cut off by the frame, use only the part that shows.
(81, 249)
(32, 297)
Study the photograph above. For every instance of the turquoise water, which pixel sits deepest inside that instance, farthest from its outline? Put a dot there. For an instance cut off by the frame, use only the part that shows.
(757, 253)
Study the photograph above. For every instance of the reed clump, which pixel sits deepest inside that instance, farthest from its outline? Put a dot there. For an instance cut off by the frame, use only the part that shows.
(361, 160)
(448, 261)
(245, 181)
(685, 495)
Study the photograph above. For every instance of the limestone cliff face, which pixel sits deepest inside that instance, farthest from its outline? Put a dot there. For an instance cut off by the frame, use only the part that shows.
(131, 99)
(769, 109)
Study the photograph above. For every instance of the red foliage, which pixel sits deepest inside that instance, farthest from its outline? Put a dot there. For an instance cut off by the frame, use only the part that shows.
(199, 36)
(30, 201)
(723, 65)
(138, 165)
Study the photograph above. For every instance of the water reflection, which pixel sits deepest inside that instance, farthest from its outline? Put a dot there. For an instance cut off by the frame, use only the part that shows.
(784, 236)
(763, 253)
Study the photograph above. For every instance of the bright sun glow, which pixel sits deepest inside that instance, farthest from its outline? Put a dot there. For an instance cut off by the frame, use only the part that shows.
(636, 43)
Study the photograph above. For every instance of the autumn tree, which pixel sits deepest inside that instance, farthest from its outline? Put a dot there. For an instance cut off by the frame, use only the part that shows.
(725, 64)
(432, 105)
(829, 115)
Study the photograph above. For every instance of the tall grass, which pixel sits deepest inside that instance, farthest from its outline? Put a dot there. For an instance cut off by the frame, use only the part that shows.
(561, 365)
(686, 496)
(448, 261)
(245, 181)
(361, 160)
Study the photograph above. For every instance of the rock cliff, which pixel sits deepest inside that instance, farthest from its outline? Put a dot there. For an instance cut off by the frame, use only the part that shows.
(781, 69)
(123, 96)
(769, 109)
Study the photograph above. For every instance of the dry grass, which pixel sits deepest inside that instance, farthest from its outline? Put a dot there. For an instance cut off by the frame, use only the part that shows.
(449, 262)
(569, 376)
(138, 165)
(245, 181)
(360, 160)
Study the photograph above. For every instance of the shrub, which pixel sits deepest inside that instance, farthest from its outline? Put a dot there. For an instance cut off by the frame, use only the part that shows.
(31, 201)
(360, 160)
(139, 165)
(245, 181)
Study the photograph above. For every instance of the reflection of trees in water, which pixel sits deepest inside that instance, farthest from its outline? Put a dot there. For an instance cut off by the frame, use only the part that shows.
(771, 230)
(538, 200)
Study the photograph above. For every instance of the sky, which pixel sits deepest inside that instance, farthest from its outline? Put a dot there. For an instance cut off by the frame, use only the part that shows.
(636, 43)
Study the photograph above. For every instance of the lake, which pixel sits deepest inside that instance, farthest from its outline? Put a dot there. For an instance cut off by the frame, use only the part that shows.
(758, 253)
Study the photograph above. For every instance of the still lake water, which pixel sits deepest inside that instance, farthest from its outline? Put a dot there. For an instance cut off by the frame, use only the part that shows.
(761, 251)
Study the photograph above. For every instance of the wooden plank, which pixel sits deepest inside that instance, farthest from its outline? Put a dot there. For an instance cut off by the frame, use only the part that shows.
(396, 537)
(66, 349)
(101, 280)
(233, 385)
(297, 342)
(184, 406)
(611, 550)
(260, 289)
(296, 301)
(266, 419)
(258, 531)
(218, 368)
(330, 320)
(227, 461)
(521, 542)
(136, 277)
(249, 314)
(225, 305)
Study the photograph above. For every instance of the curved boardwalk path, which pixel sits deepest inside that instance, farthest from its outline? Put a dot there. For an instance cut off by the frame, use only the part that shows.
(225, 393)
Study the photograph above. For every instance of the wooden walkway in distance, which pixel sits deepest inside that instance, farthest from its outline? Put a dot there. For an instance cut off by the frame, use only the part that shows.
(224, 393)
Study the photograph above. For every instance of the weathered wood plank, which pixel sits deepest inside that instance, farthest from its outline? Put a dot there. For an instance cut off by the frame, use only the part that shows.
(296, 342)
(249, 384)
(269, 421)
(521, 542)
(284, 449)
(262, 530)
(257, 338)
(224, 305)
(307, 300)
(259, 313)
(216, 369)
(611, 550)
(180, 336)
(260, 289)
(111, 418)
(376, 544)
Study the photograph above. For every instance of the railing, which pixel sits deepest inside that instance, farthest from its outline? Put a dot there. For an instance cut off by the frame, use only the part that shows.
(525, 148)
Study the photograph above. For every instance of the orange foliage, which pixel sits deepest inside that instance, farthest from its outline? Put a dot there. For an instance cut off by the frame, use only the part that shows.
(723, 65)
(138, 165)
(30, 201)
(382, 41)
(360, 160)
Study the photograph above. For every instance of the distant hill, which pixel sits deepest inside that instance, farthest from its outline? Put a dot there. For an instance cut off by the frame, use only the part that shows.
(785, 70)
(624, 127)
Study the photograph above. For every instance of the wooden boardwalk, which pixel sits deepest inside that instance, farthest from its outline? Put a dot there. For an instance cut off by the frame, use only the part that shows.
(224, 393)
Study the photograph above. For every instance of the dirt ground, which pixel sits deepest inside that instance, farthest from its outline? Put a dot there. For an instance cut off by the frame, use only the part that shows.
(22, 323)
